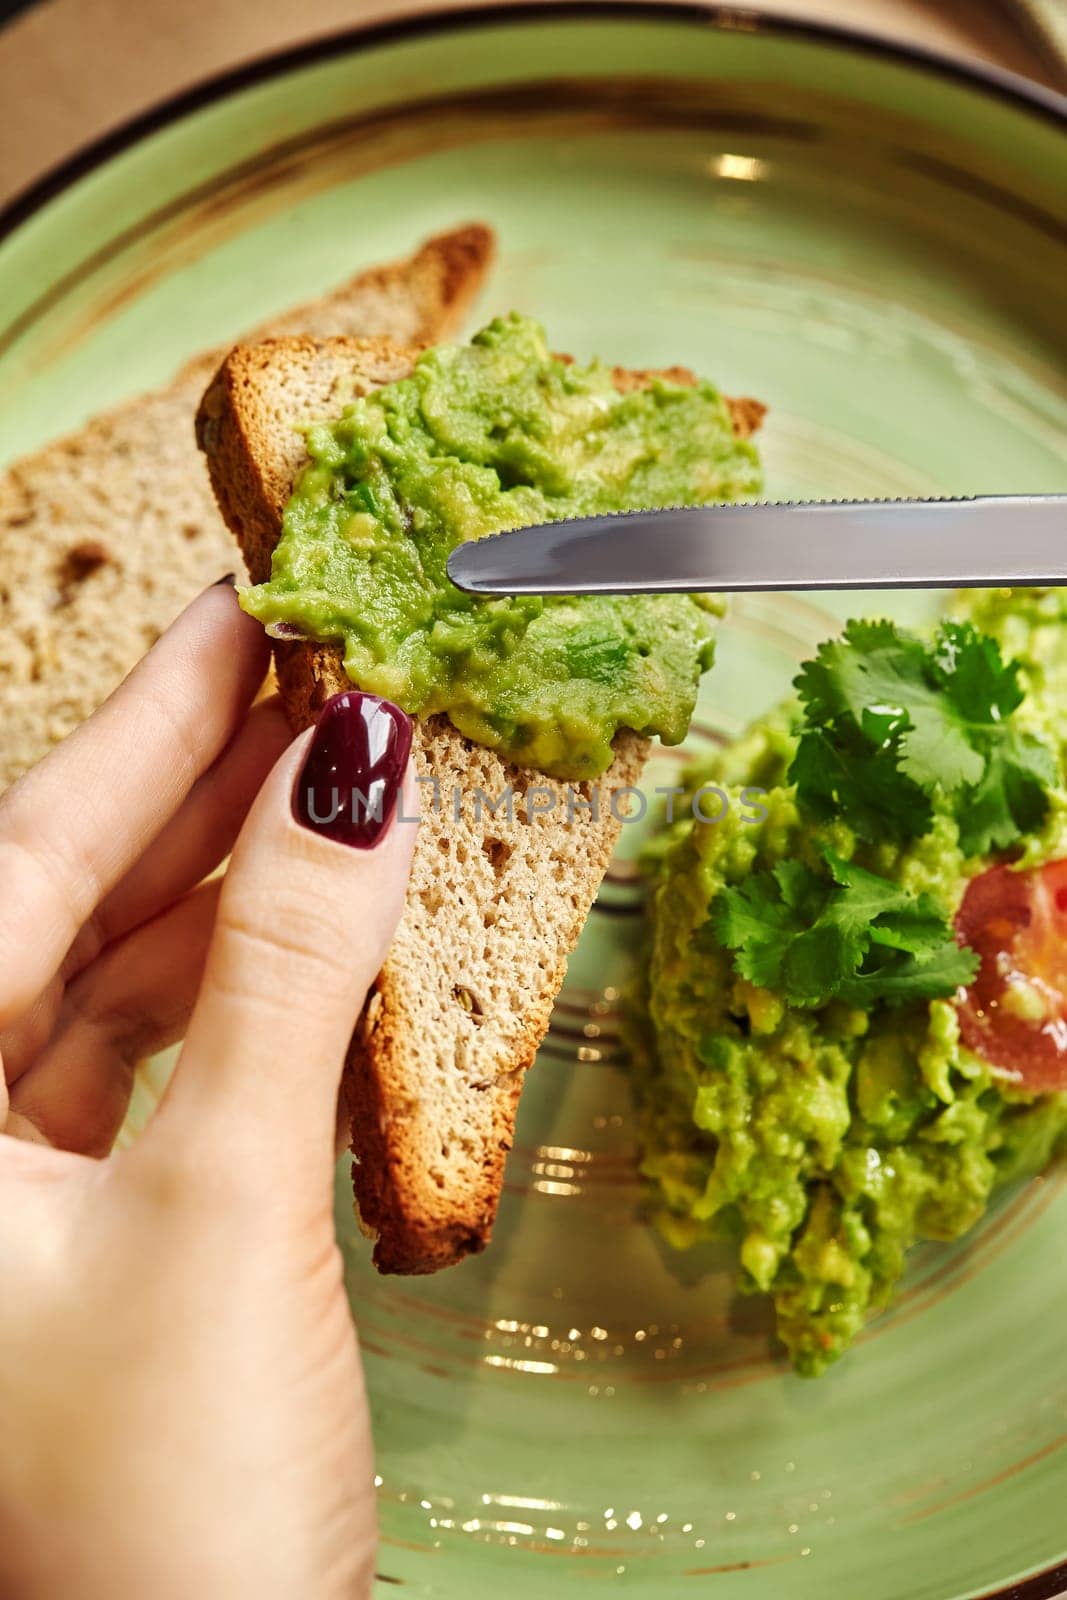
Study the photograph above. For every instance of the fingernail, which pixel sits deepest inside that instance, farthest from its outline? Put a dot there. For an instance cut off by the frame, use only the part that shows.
(227, 577)
(348, 785)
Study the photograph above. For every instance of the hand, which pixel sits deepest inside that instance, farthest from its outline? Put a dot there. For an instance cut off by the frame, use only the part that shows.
(181, 1402)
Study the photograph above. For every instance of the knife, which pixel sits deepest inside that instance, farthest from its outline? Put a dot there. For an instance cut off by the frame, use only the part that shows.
(980, 542)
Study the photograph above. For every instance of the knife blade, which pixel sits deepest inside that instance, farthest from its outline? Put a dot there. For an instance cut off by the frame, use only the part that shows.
(980, 542)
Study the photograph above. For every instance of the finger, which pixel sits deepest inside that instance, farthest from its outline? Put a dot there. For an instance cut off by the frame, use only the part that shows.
(191, 846)
(136, 999)
(29, 1032)
(303, 926)
(198, 837)
(17, 1127)
(76, 823)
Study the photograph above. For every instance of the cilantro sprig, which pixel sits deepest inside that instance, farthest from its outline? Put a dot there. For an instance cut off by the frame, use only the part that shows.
(850, 936)
(891, 721)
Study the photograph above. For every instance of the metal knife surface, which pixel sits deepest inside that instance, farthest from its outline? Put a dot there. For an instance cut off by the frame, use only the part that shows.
(984, 542)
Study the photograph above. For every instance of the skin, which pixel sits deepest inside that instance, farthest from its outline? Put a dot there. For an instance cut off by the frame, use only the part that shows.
(181, 1399)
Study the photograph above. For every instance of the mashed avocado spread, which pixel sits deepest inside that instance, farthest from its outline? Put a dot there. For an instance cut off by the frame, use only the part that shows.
(495, 435)
(801, 1077)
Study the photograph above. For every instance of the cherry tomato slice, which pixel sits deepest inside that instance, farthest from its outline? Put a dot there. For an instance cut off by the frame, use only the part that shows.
(1014, 1014)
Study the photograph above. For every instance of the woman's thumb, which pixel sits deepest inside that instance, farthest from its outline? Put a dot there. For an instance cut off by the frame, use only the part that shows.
(313, 893)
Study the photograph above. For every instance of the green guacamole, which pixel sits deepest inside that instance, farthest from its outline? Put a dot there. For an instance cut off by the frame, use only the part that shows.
(494, 435)
(827, 1141)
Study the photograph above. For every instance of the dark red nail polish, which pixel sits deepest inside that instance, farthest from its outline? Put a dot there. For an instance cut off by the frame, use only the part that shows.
(348, 786)
(227, 577)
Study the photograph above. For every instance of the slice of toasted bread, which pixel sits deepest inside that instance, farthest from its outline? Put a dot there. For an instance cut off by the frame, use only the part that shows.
(109, 532)
(495, 903)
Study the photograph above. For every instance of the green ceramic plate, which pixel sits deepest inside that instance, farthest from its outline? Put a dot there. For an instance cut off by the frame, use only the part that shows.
(869, 242)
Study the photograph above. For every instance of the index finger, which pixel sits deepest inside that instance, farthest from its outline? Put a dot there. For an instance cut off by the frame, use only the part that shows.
(75, 823)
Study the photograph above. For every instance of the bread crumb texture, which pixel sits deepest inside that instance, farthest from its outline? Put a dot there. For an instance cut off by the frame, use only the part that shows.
(107, 534)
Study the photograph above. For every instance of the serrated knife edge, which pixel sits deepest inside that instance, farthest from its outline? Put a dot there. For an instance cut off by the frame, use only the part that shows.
(947, 542)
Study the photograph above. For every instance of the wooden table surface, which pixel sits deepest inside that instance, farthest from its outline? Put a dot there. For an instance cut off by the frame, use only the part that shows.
(70, 69)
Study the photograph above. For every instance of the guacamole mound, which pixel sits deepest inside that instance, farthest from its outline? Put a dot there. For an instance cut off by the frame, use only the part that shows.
(826, 1140)
(482, 438)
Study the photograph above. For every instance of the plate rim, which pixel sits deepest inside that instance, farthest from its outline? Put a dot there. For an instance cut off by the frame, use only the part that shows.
(1026, 95)
(1034, 99)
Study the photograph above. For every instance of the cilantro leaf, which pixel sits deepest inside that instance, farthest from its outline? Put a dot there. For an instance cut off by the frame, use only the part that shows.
(891, 721)
(836, 770)
(872, 897)
(935, 753)
(799, 886)
(1011, 799)
(909, 978)
(849, 934)
(813, 962)
(756, 921)
(881, 678)
(983, 687)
